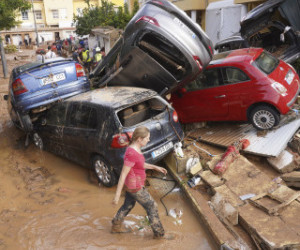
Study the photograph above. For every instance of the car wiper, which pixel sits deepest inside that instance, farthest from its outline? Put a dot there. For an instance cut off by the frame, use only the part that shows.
(43, 65)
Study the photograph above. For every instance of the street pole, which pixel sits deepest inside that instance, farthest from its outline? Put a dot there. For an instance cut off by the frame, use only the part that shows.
(3, 59)
(36, 31)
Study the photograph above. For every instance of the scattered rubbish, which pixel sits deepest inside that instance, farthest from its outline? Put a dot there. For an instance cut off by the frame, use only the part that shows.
(176, 214)
(246, 196)
(292, 179)
(178, 149)
(285, 162)
(193, 165)
(194, 181)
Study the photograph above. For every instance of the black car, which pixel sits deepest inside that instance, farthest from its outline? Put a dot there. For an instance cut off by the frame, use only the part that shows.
(93, 129)
(274, 26)
(161, 48)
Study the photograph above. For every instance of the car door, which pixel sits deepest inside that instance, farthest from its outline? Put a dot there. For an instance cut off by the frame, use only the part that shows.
(241, 92)
(80, 132)
(202, 99)
(52, 131)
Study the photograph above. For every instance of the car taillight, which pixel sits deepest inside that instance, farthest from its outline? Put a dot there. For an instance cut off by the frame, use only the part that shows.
(198, 61)
(148, 19)
(279, 88)
(121, 140)
(175, 116)
(79, 70)
(18, 87)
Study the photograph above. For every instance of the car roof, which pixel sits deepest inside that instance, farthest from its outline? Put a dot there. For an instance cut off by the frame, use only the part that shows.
(246, 55)
(114, 97)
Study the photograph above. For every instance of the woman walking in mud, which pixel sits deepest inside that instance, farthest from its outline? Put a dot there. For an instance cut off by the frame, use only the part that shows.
(133, 175)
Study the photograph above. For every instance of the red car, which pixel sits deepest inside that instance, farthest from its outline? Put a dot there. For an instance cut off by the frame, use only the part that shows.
(240, 85)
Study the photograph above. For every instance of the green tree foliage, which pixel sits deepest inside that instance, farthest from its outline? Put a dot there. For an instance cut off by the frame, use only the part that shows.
(9, 10)
(104, 15)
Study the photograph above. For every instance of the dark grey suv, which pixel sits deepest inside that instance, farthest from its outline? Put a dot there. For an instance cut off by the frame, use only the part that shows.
(93, 129)
(161, 48)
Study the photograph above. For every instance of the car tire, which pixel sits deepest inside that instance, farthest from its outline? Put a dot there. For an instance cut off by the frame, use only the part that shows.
(264, 117)
(104, 172)
(25, 122)
(37, 141)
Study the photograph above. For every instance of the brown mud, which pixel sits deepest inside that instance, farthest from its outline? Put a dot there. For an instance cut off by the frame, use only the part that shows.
(47, 202)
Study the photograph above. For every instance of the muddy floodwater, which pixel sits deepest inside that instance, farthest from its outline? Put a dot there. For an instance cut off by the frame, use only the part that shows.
(47, 202)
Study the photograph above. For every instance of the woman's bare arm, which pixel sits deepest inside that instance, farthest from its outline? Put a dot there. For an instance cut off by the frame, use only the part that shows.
(124, 173)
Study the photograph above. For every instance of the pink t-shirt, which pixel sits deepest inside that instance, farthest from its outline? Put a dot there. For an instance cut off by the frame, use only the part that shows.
(137, 174)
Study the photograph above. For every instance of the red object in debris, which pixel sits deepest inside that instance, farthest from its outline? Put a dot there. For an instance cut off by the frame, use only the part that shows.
(244, 143)
(229, 156)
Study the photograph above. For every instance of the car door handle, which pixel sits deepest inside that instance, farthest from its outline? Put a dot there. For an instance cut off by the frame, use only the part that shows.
(220, 96)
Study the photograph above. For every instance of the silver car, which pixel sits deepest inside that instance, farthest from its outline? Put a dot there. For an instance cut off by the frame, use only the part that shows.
(161, 49)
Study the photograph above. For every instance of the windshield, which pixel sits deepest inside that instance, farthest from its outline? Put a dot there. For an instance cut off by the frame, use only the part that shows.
(266, 62)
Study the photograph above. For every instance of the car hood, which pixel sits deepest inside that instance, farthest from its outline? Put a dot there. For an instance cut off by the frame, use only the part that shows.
(288, 9)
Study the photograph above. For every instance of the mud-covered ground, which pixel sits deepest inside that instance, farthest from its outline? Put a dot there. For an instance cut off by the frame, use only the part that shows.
(47, 202)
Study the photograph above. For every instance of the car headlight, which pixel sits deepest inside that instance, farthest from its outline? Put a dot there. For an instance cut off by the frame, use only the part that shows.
(279, 88)
(289, 77)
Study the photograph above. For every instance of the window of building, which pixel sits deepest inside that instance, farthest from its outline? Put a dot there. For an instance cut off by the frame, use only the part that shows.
(25, 15)
(63, 13)
(38, 14)
(55, 14)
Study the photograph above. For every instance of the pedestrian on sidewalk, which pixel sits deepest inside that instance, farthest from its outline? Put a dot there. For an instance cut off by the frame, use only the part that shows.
(133, 175)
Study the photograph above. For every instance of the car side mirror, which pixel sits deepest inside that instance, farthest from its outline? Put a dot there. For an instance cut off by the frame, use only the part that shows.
(5, 97)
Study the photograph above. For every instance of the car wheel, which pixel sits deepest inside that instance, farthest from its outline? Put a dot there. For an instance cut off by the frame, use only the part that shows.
(104, 172)
(264, 117)
(25, 122)
(37, 141)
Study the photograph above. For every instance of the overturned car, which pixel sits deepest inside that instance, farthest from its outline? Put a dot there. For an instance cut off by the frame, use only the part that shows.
(274, 26)
(160, 49)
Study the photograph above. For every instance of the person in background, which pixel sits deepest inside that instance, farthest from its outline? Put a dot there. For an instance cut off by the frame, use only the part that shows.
(58, 47)
(50, 53)
(97, 57)
(87, 60)
(76, 56)
(103, 52)
(40, 56)
(133, 175)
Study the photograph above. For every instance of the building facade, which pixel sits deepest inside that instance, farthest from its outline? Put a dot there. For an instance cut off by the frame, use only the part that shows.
(196, 8)
(53, 19)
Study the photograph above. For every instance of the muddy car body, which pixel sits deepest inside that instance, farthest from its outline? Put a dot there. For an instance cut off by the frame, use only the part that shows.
(160, 49)
(33, 87)
(240, 85)
(274, 26)
(93, 128)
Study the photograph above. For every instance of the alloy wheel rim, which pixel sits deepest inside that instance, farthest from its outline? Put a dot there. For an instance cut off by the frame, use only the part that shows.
(102, 171)
(264, 119)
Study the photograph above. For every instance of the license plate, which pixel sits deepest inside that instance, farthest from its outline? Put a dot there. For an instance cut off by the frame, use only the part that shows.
(53, 78)
(162, 150)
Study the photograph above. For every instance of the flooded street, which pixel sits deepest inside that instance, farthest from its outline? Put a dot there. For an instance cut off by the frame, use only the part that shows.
(47, 202)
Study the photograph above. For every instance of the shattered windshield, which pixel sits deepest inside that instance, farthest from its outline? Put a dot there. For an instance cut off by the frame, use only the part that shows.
(266, 62)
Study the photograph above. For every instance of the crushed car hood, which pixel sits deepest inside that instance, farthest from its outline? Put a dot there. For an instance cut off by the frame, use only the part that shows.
(289, 10)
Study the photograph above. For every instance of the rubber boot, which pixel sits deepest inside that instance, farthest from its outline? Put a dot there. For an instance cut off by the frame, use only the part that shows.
(118, 227)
